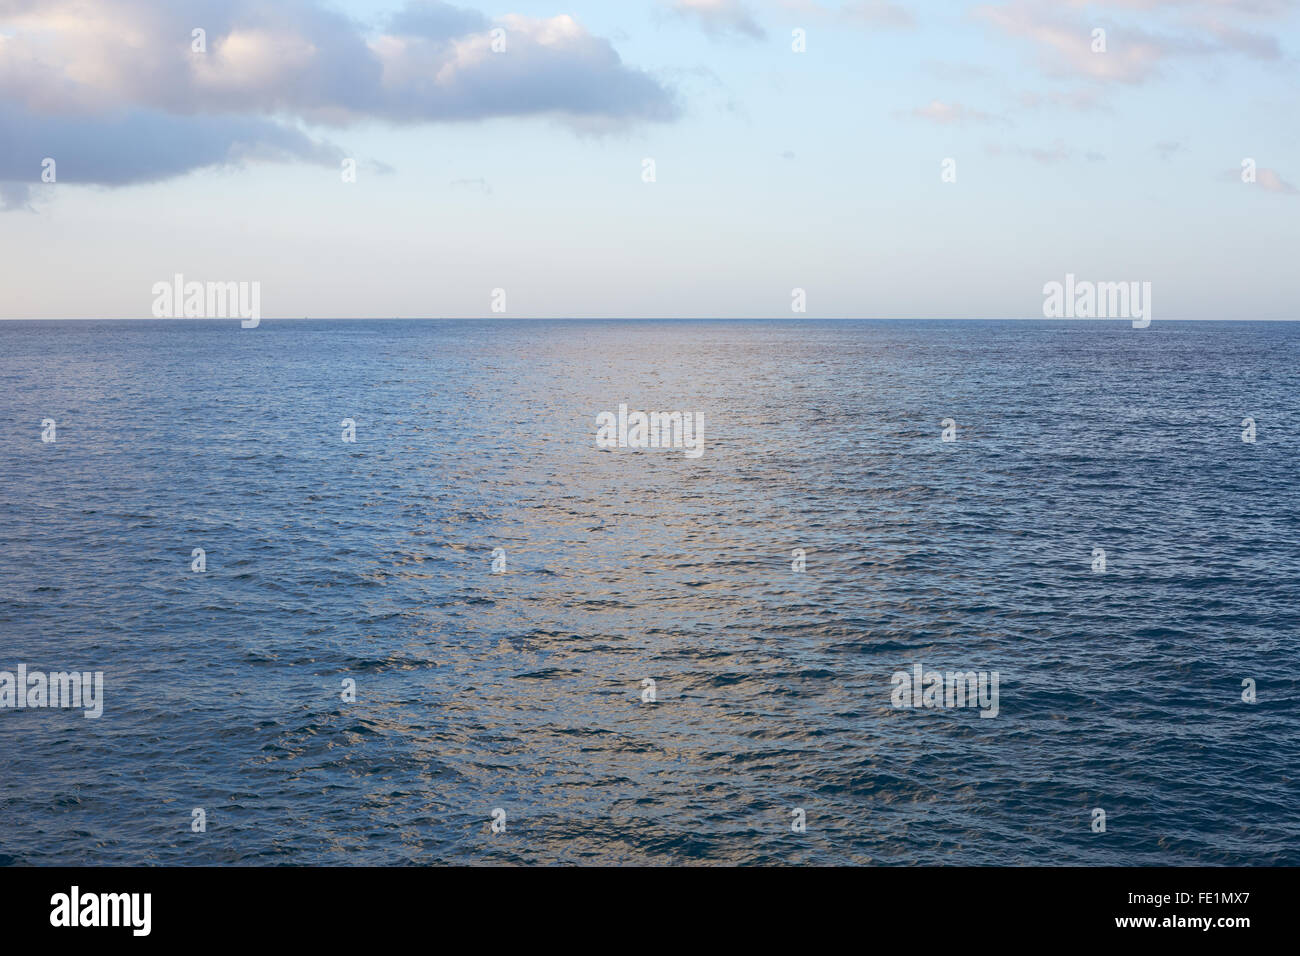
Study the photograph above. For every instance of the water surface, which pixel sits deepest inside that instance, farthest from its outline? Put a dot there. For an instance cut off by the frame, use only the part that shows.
(372, 561)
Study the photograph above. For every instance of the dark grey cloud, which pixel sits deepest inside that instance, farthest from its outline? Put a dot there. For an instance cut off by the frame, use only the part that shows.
(142, 146)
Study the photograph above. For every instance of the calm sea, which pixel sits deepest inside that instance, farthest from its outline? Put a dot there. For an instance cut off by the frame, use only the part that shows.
(372, 561)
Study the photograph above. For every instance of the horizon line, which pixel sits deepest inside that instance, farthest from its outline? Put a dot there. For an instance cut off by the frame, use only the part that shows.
(624, 318)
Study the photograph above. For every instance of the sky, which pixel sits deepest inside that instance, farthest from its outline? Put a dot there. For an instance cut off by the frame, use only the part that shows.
(503, 146)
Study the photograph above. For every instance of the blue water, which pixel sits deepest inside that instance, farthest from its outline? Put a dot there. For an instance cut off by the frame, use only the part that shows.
(372, 561)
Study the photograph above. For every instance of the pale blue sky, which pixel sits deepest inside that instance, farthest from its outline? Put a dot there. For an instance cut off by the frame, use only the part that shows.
(818, 170)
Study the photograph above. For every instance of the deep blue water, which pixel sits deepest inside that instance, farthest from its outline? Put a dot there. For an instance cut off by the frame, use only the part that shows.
(328, 560)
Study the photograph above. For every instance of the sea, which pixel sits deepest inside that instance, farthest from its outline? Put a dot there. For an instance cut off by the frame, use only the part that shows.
(371, 592)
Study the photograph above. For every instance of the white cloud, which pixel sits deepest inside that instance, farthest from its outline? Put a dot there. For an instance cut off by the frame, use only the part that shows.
(943, 113)
(91, 79)
(1063, 33)
(876, 14)
(1268, 179)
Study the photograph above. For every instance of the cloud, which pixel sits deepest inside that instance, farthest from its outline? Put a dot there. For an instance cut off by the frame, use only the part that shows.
(719, 17)
(476, 185)
(1267, 180)
(937, 111)
(1047, 156)
(1259, 46)
(1065, 47)
(1084, 100)
(1132, 54)
(876, 14)
(699, 84)
(434, 63)
(114, 91)
(1058, 152)
(959, 72)
(1242, 7)
(142, 146)
(15, 196)
(436, 21)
